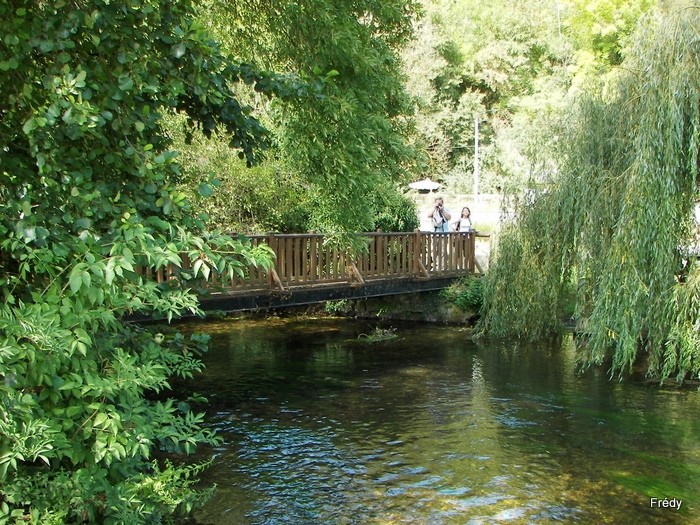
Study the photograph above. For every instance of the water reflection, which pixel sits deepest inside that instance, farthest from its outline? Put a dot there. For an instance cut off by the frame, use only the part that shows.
(323, 428)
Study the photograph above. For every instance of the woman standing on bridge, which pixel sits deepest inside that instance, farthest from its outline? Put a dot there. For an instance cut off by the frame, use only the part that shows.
(464, 223)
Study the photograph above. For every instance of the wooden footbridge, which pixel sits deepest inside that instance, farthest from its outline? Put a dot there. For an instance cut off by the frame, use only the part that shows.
(307, 270)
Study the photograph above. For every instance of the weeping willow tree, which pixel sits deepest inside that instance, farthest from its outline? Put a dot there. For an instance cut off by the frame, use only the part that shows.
(617, 219)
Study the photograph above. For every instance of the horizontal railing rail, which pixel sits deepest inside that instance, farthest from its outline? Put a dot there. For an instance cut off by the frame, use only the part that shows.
(307, 260)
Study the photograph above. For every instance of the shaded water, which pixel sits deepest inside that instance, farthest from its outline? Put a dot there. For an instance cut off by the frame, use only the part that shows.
(321, 427)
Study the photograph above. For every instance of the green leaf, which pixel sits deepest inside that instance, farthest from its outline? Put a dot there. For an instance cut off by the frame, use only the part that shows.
(206, 190)
(29, 126)
(75, 283)
(73, 411)
(99, 420)
(76, 277)
(46, 46)
(80, 79)
(83, 224)
(125, 83)
(197, 266)
(178, 50)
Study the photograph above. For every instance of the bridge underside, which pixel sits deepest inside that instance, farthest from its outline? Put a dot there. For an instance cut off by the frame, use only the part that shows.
(303, 295)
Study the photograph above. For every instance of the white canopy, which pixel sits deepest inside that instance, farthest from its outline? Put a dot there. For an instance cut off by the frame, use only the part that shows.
(425, 185)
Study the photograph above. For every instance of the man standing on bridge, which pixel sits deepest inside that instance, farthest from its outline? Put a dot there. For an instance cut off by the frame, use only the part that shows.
(440, 216)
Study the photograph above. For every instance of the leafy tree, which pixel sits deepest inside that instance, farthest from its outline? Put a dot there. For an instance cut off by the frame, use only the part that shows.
(613, 220)
(481, 60)
(346, 145)
(600, 28)
(512, 65)
(396, 212)
(447, 100)
(271, 197)
(230, 196)
(88, 187)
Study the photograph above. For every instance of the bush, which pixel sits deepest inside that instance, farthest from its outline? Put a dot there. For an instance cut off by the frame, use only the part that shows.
(396, 212)
(467, 293)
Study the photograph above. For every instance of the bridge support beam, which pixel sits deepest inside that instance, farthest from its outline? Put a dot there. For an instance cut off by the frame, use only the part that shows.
(297, 296)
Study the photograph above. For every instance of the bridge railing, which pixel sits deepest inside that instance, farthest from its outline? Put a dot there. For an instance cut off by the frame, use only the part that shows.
(305, 259)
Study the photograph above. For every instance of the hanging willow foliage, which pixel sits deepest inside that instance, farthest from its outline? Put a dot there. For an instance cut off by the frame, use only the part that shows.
(618, 216)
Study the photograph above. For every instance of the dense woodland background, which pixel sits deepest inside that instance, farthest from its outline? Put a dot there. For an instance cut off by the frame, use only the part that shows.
(134, 131)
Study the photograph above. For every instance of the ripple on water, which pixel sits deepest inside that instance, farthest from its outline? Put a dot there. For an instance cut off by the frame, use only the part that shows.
(427, 436)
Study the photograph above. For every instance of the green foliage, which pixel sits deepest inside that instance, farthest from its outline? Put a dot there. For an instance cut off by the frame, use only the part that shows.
(395, 212)
(270, 197)
(523, 288)
(601, 28)
(614, 219)
(249, 200)
(480, 60)
(467, 293)
(511, 65)
(87, 181)
(334, 307)
(378, 335)
(343, 146)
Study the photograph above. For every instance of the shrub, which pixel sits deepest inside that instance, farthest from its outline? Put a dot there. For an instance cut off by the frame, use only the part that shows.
(467, 293)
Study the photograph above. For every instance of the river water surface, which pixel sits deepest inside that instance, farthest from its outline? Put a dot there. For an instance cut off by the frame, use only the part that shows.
(321, 426)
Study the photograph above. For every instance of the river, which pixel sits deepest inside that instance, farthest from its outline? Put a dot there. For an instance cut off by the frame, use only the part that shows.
(322, 426)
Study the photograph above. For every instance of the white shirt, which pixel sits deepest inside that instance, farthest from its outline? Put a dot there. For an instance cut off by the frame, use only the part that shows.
(464, 224)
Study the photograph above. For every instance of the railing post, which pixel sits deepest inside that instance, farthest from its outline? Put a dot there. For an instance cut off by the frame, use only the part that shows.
(416, 252)
(273, 279)
(472, 253)
(418, 266)
(313, 256)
